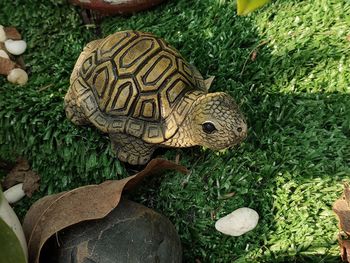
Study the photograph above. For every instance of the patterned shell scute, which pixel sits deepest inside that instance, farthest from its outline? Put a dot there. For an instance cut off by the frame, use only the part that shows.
(138, 83)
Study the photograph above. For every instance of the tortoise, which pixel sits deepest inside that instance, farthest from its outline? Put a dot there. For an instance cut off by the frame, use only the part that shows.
(141, 91)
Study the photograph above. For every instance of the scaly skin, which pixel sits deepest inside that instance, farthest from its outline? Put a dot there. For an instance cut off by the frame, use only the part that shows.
(131, 149)
(138, 89)
(221, 110)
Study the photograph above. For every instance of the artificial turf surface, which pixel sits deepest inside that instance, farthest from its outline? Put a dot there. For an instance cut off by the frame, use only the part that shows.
(288, 66)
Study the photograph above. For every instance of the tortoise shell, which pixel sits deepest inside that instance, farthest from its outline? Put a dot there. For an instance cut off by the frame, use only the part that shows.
(135, 83)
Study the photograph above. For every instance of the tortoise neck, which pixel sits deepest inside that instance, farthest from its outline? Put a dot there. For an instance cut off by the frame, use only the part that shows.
(184, 136)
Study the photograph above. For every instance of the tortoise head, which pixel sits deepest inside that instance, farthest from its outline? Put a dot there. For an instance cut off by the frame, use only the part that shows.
(217, 122)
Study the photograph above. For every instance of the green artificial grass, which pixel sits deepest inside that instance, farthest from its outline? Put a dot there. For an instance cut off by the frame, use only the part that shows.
(288, 66)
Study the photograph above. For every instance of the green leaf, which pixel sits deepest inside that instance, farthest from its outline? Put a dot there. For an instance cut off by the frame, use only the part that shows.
(244, 7)
(10, 248)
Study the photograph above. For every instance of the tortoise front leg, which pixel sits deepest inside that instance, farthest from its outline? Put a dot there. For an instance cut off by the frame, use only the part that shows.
(131, 149)
(73, 111)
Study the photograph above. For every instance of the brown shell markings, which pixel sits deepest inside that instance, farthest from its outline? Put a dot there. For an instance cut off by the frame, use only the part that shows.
(138, 84)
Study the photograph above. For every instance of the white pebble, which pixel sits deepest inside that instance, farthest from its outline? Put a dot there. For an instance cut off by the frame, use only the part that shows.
(3, 54)
(15, 47)
(238, 222)
(15, 193)
(17, 76)
(2, 34)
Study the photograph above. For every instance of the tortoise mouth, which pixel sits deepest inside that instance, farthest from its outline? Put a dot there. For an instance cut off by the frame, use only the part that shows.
(227, 146)
(235, 141)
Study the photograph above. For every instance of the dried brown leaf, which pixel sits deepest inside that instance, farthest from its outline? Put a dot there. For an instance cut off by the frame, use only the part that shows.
(177, 158)
(340, 207)
(20, 62)
(342, 210)
(212, 215)
(12, 33)
(253, 55)
(6, 65)
(22, 173)
(6, 166)
(344, 250)
(31, 183)
(56, 212)
(226, 196)
(347, 194)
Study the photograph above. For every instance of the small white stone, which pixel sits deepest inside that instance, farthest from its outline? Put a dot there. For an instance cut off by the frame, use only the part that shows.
(2, 34)
(238, 222)
(17, 76)
(3, 54)
(15, 47)
(14, 194)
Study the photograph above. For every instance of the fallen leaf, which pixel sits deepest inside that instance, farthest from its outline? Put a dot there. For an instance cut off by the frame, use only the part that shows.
(16, 174)
(177, 158)
(212, 215)
(348, 37)
(253, 56)
(226, 196)
(6, 65)
(153, 167)
(340, 207)
(20, 62)
(12, 33)
(342, 210)
(53, 213)
(22, 173)
(347, 194)
(6, 166)
(344, 250)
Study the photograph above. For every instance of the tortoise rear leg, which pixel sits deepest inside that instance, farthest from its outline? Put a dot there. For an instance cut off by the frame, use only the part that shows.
(73, 111)
(131, 149)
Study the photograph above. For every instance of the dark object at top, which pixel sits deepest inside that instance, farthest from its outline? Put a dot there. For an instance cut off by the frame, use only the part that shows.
(110, 7)
(130, 233)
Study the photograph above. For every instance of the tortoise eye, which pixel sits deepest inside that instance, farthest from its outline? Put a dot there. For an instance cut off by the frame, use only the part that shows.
(208, 127)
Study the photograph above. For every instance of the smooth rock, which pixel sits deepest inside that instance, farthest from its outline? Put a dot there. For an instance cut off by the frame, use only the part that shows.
(18, 76)
(3, 54)
(15, 47)
(238, 222)
(117, 6)
(2, 34)
(130, 233)
(14, 194)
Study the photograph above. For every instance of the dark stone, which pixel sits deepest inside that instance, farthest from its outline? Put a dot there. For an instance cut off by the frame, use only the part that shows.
(130, 233)
(117, 7)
